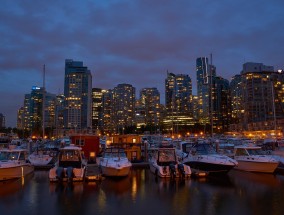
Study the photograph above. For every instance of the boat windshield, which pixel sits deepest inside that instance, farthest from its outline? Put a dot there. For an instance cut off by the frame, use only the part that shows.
(3, 156)
(109, 153)
(9, 156)
(166, 156)
(204, 149)
(256, 151)
(70, 155)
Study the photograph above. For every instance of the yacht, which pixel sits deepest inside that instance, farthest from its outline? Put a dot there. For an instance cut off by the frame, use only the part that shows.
(202, 157)
(114, 162)
(44, 155)
(164, 163)
(70, 165)
(14, 164)
(253, 159)
(41, 158)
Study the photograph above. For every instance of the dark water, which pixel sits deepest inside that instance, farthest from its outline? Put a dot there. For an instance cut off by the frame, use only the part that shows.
(237, 193)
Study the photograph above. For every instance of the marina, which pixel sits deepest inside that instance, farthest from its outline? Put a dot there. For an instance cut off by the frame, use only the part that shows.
(141, 107)
(134, 177)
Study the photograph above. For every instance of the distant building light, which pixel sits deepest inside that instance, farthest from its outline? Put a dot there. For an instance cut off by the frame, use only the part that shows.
(35, 88)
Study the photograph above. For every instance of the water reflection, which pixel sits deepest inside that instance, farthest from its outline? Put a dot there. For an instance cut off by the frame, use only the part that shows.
(116, 186)
(255, 181)
(10, 187)
(258, 193)
(142, 193)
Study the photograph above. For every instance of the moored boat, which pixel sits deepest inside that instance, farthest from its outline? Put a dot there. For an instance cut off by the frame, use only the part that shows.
(115, 163)
(253, 159)
(164, 163)
(202, 157)
(44, 156)
(41, 158)
(13, 164)
(70, 165)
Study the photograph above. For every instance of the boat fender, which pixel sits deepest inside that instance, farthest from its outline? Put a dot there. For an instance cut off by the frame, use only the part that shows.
(69, 173)
(60, 173)
(181, 169)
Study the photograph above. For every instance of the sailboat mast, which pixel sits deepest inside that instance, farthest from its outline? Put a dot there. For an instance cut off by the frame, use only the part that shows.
(43, 104)
(211, 95)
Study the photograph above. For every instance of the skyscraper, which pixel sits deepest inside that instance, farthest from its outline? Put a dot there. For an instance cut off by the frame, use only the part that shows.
(97, 108)
(236, 103)
(59, 115)
(26, 117)
(178, 94)
(124, 106)
(35, 110)
(221, 111)
(178, 99)
(205, 74)
(31, 114)
(108, 124)
(150, 101)
(78, 96)
(262, 97)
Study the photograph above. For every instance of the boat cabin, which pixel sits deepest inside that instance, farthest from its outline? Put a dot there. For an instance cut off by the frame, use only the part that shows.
(203, 149)
(13, 155)
(247, 151)
(166, 156)
(70, 156)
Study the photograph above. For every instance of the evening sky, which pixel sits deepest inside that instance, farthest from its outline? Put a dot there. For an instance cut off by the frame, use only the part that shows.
(131, 41)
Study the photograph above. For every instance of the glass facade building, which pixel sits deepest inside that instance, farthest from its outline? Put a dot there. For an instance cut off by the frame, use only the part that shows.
(124, 106)
(78, 96)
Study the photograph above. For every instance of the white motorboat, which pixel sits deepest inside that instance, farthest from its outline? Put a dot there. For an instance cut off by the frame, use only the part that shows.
(115, 163)
(41, 158)
(70, 165)
(13, 164)
(254, 159)
(164, 164)
(44, 155)
(202, 157)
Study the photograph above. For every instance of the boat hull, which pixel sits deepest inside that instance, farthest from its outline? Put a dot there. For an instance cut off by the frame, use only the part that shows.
(251, 166)
(210, 168)
(78, 174)
(7, 173)
(115, 171)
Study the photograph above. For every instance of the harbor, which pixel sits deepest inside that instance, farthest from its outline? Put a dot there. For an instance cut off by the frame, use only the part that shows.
(131, 174)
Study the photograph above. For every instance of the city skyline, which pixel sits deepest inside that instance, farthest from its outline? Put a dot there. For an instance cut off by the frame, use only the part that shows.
(120, 40)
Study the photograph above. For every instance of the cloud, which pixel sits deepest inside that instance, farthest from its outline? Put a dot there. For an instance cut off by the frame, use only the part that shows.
(136, 42)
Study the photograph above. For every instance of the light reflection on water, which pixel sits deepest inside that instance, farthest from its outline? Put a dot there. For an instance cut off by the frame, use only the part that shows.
(142, 193)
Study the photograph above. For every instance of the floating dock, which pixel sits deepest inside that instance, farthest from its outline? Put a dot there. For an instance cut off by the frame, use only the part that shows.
(93, 172)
